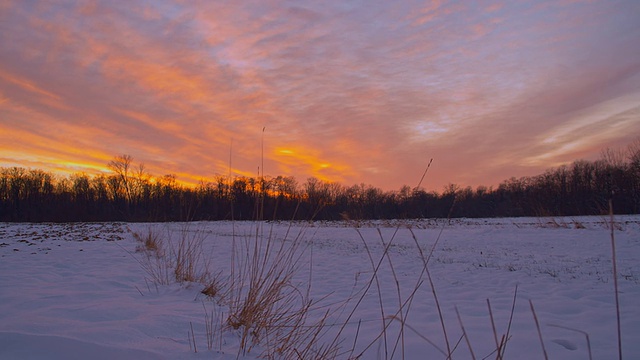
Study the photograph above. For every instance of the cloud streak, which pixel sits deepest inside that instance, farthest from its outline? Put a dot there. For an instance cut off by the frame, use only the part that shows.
(351, 92)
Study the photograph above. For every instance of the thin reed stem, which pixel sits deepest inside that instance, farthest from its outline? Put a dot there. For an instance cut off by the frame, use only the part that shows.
(377, 280)
(464, 333)
(193, 337)
(615, 278)
(513, 307)
(400, 338)
(493, 328)
(535, 318)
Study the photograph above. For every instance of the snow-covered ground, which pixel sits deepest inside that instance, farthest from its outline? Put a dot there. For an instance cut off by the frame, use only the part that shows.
(76, 291)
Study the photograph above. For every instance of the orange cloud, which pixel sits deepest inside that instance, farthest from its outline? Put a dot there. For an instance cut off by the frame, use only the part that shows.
(307, 161)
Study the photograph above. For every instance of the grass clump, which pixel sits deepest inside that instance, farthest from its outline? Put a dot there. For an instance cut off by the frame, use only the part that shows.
(187, 257)
(154, 260)
(268, 303)
(166, 260)
(149, 241)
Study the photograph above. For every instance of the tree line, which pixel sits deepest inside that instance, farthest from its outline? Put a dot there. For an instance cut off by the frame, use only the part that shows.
(130, 193)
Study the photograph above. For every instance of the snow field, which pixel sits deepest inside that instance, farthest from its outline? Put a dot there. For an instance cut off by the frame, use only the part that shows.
(74, 290)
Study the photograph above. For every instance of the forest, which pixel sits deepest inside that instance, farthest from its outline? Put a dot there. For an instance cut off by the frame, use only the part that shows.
(130, 193)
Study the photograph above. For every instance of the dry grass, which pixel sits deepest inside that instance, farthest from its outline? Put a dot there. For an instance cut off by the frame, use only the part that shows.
(166, 260)
(265, 303)
(149, 241)
(187, 257)
(214, 287)
(616, 289)
(500, 342)
(389, 347)
(271, 310)
(214, 327)
(154, 260)
(269, 305)
(535, 318)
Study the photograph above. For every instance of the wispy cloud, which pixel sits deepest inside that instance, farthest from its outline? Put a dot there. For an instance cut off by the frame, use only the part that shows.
(351, 92)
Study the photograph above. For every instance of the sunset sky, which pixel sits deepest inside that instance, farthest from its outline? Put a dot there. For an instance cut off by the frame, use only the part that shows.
(346, 91)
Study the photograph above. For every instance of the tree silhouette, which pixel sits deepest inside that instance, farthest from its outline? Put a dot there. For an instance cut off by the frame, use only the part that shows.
(130, 193)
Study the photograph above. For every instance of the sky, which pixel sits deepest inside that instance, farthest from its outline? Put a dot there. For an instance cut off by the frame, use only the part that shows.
(344, 91)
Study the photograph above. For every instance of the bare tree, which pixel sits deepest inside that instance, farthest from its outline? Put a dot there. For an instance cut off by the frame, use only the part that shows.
(121, 165)
(634, 154)
(141, 183)
(613, 157)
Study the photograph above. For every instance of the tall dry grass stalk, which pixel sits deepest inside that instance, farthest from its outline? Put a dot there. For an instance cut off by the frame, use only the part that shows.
(535, 318)
(465, 335)
(615, 278)
(425, 270)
